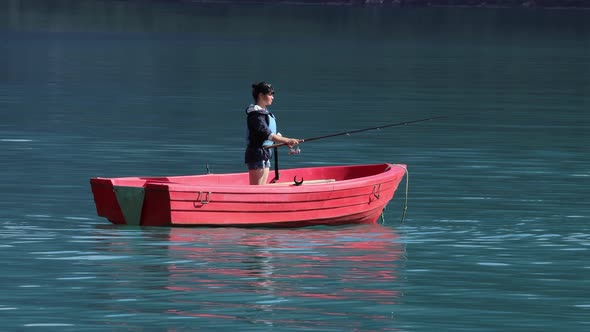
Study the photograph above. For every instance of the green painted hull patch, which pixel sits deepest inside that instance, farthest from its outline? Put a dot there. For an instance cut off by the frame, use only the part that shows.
(131, 202)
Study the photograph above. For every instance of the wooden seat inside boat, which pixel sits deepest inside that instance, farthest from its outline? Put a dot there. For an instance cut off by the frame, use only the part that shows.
(303, 183)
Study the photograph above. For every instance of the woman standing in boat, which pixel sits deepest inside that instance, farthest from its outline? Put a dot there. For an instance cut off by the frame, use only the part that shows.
(262, 131)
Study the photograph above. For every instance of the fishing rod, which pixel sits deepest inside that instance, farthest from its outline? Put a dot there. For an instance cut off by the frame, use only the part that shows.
(348, 133)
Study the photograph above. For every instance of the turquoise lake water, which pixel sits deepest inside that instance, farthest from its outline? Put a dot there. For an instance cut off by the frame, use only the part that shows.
(497, 233)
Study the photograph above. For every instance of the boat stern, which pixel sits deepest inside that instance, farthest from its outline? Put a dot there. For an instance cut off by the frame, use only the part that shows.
(127, 202)
(106, 201)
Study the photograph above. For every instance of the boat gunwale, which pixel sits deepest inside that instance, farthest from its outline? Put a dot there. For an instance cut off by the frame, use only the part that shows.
(171, 179)
(368, 180)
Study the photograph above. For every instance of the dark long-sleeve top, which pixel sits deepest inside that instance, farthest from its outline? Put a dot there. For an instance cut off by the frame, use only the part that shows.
(258, 132)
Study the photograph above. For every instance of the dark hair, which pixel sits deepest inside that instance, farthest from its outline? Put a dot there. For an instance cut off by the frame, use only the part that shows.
(261, 87)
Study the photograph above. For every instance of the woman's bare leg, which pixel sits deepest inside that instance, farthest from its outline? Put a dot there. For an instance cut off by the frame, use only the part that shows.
(258, 176)
(265, 176)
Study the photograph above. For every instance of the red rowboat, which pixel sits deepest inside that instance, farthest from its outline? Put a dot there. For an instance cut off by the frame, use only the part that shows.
(332, 195)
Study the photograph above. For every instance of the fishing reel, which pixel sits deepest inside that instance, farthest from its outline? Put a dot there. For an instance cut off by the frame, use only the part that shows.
(294, 150)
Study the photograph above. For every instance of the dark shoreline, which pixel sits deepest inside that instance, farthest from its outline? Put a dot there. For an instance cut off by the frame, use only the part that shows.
(553, 4)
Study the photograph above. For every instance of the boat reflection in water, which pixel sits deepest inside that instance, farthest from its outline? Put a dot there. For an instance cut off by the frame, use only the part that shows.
(314, 277)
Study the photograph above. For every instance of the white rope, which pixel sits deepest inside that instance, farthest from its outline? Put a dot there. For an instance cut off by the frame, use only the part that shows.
(407, 189)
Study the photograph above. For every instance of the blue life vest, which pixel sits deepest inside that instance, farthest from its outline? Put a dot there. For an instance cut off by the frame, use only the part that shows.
(272, 125)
